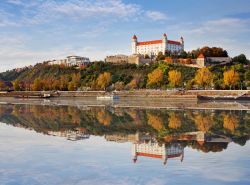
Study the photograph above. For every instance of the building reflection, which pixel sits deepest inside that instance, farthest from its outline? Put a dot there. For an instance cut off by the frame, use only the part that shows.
(72, 135)
(171, 147)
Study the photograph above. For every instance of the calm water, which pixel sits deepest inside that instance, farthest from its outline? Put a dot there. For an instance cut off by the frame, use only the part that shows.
(51, 144)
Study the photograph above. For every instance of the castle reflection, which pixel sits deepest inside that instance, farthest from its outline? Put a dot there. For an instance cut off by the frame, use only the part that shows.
(153, 133)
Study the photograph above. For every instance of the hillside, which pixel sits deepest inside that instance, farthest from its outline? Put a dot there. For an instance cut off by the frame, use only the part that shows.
(125, 76)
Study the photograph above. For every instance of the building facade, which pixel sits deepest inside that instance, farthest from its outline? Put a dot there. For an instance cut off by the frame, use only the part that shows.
(203, 61)
(152, 48)
(117, 59)
(71, 61)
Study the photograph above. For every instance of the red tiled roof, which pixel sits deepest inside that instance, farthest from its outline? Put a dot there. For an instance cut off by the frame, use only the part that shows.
(134, 37)
(173, 42)
(149, 42)
(157, 42)
(201, 56)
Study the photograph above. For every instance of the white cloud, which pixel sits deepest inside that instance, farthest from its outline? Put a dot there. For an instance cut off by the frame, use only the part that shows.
(156, 16)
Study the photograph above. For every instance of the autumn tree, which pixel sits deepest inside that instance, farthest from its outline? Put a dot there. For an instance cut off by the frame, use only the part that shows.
(174, 78)
(103, 80)
(76, 80)
(231, 78)
(132, 84)
(16, 86)
(64, 83)
(1, 85)
(155, 78)
(204, 77)
(119, 86)
(37, 85)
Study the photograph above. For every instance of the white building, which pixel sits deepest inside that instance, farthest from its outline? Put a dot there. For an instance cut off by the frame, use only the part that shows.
(71, 61)
(153, 47)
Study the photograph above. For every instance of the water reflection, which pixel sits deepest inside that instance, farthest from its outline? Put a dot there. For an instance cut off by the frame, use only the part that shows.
(158, 132)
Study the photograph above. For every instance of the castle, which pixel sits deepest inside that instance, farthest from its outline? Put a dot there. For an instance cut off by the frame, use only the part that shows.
(152, 48)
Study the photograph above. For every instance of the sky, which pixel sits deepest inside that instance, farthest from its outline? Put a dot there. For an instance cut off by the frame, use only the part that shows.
(33, 31)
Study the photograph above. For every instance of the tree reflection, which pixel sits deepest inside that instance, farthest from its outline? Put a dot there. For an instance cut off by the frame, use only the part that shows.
(155, 121)
(174, 120)
(203, 121)
(230, 122)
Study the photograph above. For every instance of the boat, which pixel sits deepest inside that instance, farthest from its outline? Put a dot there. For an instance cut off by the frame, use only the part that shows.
(223, 98)
(107, 97)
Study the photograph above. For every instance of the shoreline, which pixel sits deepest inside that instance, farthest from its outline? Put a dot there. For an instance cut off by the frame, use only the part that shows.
(131, 102)
(145, 93)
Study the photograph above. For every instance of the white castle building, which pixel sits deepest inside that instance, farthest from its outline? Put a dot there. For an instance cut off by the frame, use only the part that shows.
(153, 47)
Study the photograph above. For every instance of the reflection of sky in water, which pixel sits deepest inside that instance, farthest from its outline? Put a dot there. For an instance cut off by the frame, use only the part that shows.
(31, 158)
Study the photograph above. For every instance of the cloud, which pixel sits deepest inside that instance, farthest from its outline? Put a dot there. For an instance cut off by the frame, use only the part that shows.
(228, 25)
(156, 16)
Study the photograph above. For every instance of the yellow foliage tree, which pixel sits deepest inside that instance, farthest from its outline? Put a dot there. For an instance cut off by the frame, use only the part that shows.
(133, 84)
(174, 121)
(204, 77)
(37, 85)
(16, 86)
(230, 122)
(155, 121)
(155, 77)
(231, 78)
(174, 78)
(103, 80)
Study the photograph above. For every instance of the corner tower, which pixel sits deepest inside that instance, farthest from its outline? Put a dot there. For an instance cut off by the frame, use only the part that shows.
(134, 44)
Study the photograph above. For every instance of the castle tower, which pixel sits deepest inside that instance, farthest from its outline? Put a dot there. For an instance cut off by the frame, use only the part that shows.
(182, 41)
(164, 43)
(134, 44)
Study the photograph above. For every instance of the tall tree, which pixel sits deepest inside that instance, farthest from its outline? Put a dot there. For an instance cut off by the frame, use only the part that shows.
(155, 78)
(174, 78)
(231, 78)
(103, 80)
(16, 85)
(204, 77)
(37, 85)
(1, 85)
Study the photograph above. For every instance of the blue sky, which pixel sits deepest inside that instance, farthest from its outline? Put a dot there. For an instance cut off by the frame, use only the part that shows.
(32, 31)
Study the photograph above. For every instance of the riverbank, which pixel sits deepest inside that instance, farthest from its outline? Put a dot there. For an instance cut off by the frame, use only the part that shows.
(132, 102)
(168, 94)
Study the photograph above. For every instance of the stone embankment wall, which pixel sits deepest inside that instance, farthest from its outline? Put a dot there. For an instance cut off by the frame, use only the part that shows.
(192, 94)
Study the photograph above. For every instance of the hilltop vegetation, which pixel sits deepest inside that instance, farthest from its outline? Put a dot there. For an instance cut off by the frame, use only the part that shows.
(107, 76)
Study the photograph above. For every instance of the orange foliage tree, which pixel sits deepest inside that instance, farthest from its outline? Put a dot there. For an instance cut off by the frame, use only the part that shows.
(231, 78)
(174, 78)
(103, 80)
(204, 77)
(155, 77)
